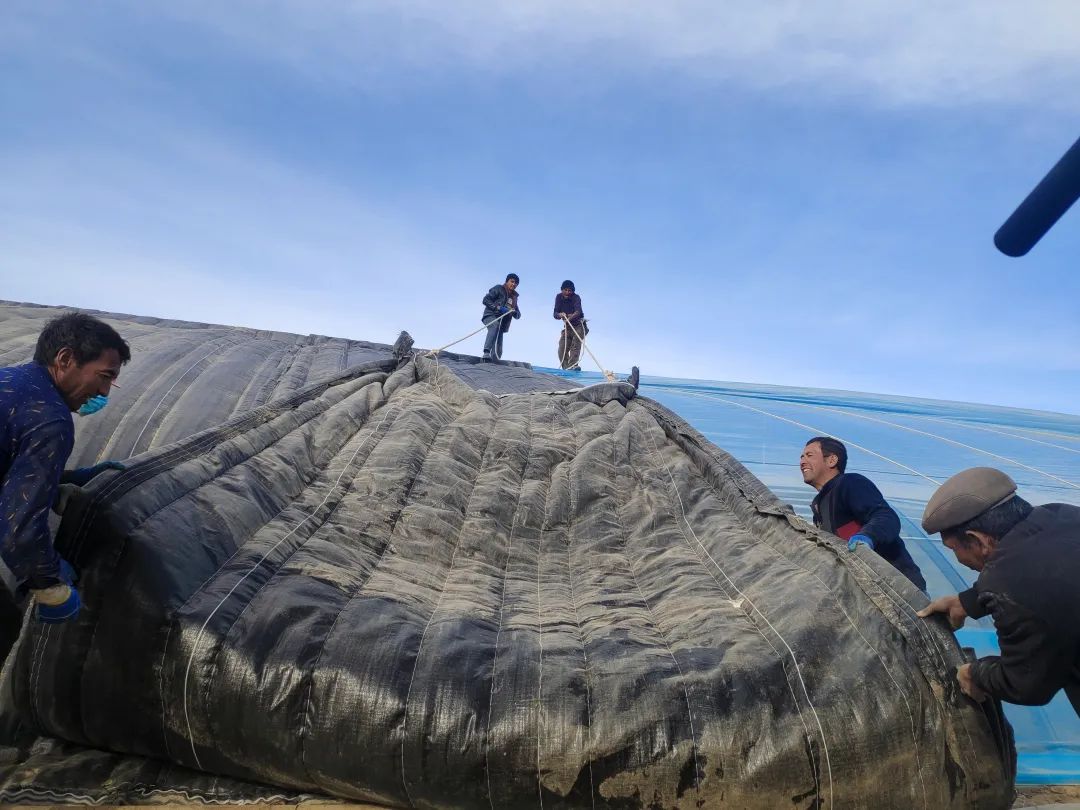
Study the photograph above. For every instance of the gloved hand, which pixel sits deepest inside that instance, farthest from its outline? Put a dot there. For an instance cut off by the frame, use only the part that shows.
(93, 405)
(83, 475)
(59, 603)
(503, 309)
(860, 538)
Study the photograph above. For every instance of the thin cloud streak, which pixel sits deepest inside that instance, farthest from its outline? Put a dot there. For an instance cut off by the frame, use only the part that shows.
(919, 53)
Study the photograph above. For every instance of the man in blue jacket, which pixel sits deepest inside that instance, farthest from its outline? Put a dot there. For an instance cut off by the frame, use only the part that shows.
(851, 507)
(76, 361)
(500, 305)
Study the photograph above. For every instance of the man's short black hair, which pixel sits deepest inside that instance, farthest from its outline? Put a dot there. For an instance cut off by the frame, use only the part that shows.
(832, 447)
(86, 336)
(513, 276)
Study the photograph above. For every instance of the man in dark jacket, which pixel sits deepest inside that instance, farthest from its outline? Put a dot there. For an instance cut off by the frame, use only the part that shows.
(76, 361)
(851, 507)
(500, 305)
(568, 310)
(1028, 559)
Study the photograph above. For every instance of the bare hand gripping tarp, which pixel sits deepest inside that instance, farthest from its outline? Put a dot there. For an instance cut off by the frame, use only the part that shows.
(397, 588)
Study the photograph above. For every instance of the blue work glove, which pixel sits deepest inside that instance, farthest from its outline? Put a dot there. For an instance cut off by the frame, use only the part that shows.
(504, 309)
(856, 539)
(59, 603)
(93, 405)
(83, 475)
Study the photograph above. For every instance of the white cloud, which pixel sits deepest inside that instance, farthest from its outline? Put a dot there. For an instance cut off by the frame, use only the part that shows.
(160, 212)
(919, 52)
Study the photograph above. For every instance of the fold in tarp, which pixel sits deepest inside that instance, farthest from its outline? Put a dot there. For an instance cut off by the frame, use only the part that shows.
(185, 377)
(392, 586)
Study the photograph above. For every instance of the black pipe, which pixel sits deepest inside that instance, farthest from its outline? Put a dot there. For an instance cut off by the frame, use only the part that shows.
(1043, 207)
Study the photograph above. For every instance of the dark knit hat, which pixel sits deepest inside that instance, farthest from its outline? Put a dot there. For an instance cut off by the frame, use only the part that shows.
(568, 285)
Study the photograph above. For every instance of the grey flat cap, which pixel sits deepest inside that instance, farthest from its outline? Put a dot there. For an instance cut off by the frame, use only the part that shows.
(966, 495)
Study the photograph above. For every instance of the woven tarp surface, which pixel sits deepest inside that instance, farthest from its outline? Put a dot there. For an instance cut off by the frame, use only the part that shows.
(186, 376)
(398, 588)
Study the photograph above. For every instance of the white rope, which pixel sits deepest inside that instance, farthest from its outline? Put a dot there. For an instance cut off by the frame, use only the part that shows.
(743, 598)
(609, 375)
(487, 325)
(897, 599)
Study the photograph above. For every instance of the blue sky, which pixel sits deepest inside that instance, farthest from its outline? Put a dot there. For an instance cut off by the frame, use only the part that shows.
(783, 192)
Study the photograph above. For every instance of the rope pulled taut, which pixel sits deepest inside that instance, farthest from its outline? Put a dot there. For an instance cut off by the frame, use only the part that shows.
(608, 375)
(486, 325)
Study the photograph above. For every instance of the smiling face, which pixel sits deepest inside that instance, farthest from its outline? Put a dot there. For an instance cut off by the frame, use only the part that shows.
(817, 469)
(78, 383)
(511, 285)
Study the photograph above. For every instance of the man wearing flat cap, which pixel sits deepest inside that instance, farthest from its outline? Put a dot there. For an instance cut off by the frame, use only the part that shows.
(1028, 559)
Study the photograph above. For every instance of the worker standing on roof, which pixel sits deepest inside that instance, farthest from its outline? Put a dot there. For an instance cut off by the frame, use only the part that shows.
(851, 507)
(1028, 559)
(500, 305)
(568, 310)
(76, 361)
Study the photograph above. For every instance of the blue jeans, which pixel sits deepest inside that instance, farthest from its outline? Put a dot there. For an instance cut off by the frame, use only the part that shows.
(493, 342)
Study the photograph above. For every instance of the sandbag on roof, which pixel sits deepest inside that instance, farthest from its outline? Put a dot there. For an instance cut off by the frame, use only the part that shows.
(397, 588)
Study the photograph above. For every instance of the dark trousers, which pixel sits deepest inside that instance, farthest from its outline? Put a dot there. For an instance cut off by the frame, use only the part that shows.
(11, 619)
(494, 340)
(570, 345)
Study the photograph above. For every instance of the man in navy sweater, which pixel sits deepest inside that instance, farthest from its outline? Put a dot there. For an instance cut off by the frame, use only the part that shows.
(568, 309)
(851, 507)
(76, 361)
